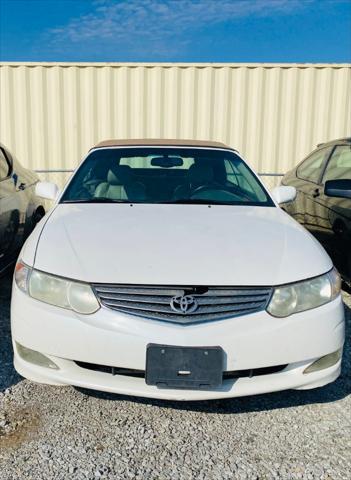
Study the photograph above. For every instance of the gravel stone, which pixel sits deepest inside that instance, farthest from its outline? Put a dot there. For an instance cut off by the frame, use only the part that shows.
(64, 433)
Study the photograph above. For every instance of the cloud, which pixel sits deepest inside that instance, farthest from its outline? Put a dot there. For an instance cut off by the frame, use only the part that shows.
(161, 25)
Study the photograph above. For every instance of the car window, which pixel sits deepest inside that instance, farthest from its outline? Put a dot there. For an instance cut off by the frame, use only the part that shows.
(236, 175)
(339, 165)
(5, 168)
(166, 175)
(311, 168)
(146, 162)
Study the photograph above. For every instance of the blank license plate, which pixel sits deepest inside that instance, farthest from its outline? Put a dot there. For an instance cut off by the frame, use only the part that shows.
(194, 368)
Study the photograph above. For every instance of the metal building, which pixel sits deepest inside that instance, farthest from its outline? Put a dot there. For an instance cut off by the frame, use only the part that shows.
(52, 113)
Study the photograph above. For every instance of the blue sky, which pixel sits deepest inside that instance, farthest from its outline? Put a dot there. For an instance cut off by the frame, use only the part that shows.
(176, 30)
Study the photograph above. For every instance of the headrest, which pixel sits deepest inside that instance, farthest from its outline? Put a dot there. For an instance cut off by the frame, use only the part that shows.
(200, 174)
(119, 175)
(101, 169)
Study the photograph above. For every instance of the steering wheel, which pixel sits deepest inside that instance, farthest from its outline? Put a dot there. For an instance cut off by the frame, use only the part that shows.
(205, 188)
(219, 188)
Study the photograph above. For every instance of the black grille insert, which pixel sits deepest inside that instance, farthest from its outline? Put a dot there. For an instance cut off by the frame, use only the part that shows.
(254, 372)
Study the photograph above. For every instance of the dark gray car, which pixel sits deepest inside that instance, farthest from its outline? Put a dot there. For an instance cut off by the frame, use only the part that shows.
(20, 208)
(323, 200)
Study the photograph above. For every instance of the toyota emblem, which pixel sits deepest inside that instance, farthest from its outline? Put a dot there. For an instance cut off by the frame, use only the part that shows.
(184, 304)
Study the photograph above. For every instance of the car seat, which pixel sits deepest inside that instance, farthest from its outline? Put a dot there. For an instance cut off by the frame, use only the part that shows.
(120, 185)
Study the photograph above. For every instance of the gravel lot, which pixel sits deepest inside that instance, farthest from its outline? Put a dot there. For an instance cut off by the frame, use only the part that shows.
(67, 433)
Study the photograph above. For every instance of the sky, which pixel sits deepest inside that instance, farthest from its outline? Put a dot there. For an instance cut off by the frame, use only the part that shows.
(175, 30)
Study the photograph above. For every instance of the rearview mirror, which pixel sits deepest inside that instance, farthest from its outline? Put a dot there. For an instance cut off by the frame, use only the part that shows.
(284, 194)
(167, 162)
(47, 190)
(338, 188)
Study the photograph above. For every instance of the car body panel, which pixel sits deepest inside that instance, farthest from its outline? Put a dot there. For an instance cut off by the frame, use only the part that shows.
(70, 373)
(178, 244)
(18, 207)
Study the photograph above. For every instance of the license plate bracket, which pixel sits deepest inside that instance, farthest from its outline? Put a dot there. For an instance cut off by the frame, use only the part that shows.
(195, 368)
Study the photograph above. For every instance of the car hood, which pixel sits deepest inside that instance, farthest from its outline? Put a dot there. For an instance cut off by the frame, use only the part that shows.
(178, 244)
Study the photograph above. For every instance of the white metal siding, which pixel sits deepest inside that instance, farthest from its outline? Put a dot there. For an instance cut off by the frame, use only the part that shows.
(274, 114)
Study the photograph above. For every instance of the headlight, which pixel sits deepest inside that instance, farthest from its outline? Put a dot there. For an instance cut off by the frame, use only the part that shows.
(301, 296)
(56, 291)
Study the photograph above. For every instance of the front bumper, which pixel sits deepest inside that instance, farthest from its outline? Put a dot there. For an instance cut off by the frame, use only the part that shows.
(115, 339)
(71, 374)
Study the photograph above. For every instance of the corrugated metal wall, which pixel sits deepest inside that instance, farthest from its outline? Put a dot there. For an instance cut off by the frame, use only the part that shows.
(273, 114)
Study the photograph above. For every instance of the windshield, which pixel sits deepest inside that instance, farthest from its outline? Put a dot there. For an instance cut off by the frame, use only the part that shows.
(165, 175)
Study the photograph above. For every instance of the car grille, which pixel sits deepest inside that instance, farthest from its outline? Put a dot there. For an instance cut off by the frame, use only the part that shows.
(211, 303)
(227, 375)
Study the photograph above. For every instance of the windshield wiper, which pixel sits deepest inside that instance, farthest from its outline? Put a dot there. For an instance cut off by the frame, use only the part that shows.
(96, 200)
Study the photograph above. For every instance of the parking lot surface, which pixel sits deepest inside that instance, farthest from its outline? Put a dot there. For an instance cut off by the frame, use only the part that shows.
(67, 433)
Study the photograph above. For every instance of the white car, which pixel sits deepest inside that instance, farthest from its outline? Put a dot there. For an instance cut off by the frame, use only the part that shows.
(166, 270)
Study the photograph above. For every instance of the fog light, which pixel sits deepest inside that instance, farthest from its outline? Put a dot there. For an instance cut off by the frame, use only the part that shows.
(324, 362)
(34, 357)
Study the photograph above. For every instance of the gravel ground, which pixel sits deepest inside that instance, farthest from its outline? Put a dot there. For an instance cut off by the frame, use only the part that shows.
(67, 433)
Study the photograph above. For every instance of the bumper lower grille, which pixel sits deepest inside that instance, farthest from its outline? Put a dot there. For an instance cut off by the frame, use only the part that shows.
(183, 305)
(228, 375)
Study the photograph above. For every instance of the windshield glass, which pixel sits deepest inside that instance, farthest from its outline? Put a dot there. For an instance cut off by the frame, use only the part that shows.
(165, 175)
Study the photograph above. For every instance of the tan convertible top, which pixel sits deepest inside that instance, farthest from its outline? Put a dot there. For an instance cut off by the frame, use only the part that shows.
(160, 142)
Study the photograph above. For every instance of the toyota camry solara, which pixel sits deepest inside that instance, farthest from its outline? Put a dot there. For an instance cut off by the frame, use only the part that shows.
(166, 270)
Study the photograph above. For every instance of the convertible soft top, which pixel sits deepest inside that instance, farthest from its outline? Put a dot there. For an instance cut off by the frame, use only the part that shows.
(160, 142)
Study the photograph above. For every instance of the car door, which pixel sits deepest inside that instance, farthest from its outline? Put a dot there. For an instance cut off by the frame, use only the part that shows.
(335, 213)
(7, 206)
(12, 210)
(308, 178)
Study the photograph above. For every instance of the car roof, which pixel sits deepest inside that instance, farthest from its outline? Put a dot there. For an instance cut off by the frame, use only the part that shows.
(345, 140)
(134, 142)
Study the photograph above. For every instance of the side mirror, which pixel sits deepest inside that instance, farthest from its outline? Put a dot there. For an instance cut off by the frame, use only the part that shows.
(284, 194)
(338, 188)
(47, 190)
